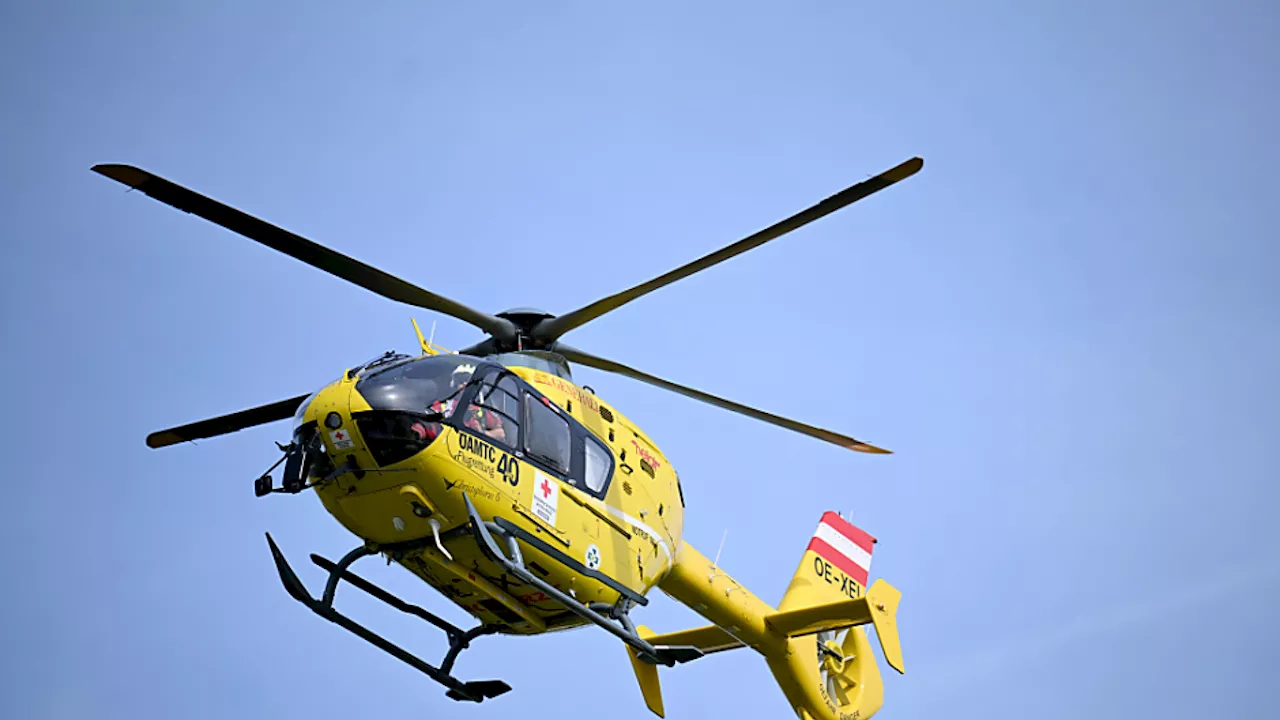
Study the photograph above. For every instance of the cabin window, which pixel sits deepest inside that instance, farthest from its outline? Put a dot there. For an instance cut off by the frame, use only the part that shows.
(598, 466)
(495, 408)
(547, 435)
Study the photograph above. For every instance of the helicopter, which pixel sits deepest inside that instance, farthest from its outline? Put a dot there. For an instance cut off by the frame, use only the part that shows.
(536, 506)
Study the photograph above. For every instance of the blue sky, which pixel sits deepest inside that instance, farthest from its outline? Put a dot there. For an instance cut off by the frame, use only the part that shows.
(1066, 327)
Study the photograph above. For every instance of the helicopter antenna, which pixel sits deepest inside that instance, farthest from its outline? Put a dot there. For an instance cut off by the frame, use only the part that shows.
(433, 333)
(715, 564)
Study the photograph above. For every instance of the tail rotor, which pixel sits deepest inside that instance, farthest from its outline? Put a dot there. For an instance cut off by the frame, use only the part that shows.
(837, 654)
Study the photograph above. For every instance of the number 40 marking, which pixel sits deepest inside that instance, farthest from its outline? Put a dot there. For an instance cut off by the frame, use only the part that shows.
(509, 468)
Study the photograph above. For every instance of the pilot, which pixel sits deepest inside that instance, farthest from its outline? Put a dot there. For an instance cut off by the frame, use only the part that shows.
(457, 381)
(474, 417)
(486, 421)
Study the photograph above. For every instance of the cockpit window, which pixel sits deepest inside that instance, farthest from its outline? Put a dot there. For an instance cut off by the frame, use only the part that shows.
(408, 399)
(425, 385)
(394, 436)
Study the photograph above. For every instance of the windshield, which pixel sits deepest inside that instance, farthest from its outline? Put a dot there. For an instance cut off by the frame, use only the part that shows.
(425, 385)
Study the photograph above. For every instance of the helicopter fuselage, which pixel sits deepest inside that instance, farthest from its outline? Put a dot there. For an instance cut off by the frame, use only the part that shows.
(598, 505)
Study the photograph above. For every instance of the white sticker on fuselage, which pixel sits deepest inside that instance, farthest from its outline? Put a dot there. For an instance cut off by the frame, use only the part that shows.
(341, 439)
(546, 496)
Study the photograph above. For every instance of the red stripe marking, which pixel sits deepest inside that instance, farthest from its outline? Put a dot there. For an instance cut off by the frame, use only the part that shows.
(849, 567)
(842, 526)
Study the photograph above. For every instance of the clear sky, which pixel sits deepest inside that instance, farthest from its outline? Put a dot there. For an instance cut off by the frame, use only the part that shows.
(1067, 327)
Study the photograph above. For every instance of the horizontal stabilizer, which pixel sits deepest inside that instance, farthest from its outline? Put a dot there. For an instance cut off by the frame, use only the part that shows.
(679, 647)
(879, 608)
(708, 639)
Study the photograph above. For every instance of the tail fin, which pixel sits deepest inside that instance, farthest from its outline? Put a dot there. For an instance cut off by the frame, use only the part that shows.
(835, 566)
(812, 642)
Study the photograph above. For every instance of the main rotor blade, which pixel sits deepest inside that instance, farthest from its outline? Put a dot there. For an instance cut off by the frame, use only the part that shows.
(227, 423)
(552, 328)
(583, 358)
(298, 247)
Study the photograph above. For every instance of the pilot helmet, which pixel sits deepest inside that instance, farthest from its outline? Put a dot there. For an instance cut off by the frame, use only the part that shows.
(461, 375)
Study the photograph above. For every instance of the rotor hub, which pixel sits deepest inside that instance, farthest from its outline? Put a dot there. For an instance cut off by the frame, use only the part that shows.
(833, 657)
(525, 320)
(525, 317)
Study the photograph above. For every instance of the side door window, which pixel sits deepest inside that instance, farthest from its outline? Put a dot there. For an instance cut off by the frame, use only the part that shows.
(547, 438)
(495, 409)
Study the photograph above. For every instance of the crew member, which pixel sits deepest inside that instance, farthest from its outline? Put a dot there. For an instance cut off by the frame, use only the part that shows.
(474, 417)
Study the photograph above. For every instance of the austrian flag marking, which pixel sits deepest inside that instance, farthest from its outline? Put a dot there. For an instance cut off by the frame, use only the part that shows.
(844, 546)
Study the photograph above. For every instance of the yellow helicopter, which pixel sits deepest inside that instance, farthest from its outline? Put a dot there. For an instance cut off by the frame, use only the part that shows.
(536, 506)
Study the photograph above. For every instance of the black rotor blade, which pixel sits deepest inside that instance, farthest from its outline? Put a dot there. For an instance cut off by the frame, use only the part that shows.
(583, 358)
(300, 248)
(227, 423)
(552, 328)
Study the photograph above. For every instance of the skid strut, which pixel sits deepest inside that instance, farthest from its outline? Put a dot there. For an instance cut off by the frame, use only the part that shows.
(459, 639)
(616, 619)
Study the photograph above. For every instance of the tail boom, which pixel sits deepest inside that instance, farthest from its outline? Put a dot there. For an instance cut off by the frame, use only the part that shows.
(713, 594)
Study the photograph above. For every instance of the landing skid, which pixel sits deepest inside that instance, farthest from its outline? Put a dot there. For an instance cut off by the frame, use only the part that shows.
(459, 639)
(615, 618)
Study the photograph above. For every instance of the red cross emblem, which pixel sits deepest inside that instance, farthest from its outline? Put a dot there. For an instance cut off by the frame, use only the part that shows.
(546, 489)
(340, 435)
